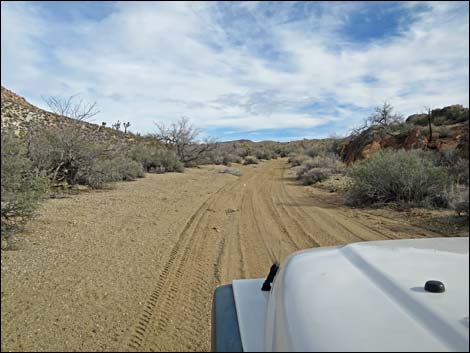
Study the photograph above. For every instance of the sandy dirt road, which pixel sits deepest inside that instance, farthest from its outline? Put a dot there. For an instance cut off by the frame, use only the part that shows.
(135, 268)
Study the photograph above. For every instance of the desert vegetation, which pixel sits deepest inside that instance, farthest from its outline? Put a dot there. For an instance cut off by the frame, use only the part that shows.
(414, 162)
(317, 162)
(217, 223)
(51, 154)
(23, 186)
(409, 177)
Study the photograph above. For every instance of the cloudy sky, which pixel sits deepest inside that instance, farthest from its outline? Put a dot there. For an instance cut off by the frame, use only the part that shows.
(252, 70)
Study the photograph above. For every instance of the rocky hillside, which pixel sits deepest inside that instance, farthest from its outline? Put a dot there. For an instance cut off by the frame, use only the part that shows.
(450, 131)
(18, 112)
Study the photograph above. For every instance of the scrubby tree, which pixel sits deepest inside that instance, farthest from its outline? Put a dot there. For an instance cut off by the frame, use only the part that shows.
(181, 137)
(383, 119)
(72, 107)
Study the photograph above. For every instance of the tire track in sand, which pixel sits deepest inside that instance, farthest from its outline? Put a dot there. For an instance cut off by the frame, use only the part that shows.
(160, 301)
(268, 218)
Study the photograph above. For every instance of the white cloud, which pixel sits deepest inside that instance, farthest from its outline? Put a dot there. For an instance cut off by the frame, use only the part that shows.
(151, 62)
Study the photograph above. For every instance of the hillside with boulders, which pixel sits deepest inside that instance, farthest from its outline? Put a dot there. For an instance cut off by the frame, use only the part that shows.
(449, 132)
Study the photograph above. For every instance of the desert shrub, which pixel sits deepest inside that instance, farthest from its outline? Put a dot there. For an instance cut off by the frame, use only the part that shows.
(250, 160)
(107, 170)
(418, 119)
(313, 170)
(458, 199)
(281, 152)
(264, 154)
(232, 171)
(424, 133)
(297, 159)
(314, 151)
(128, 169)
(329, 162)
(231, 158)
(459, 171)
(334, 146)
(155, 159)
(457, 167)
(22, 186)
(142, 154)
(64, 154)
(315, 175)
(443, 131)
(408, 177)
(218, 160)
(450, 115)
(68, 156)
(164, 160)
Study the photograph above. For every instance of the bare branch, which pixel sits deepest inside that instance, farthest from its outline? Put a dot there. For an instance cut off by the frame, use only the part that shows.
(181, 137)
(72, 107)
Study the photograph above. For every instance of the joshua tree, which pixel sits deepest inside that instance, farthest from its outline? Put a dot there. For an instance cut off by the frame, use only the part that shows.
(126, 125)
(117, 125)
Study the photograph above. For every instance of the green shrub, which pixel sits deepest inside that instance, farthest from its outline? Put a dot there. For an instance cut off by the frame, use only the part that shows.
(156, 160)
(22, 186)
(166, 161)
(250, 160)
(142, 154)
(398, 176)
(105, 171)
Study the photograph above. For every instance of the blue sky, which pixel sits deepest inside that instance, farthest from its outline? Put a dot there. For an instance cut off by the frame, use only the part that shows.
(256, 70)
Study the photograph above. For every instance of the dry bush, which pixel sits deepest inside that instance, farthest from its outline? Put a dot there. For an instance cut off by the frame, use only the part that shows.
(458, 199)
(231, 158)
(69, 157)
(313, 170)
(297, 159)
(409, 177)
(182, 138)
(264, 153)
(315, 175)
(250, 160)
(315, 151)
(232, 171)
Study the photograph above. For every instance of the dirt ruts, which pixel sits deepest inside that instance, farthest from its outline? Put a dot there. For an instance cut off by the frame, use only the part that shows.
(135, 268)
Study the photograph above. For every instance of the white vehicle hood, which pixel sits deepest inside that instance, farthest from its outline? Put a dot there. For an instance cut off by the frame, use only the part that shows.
(361, 297)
